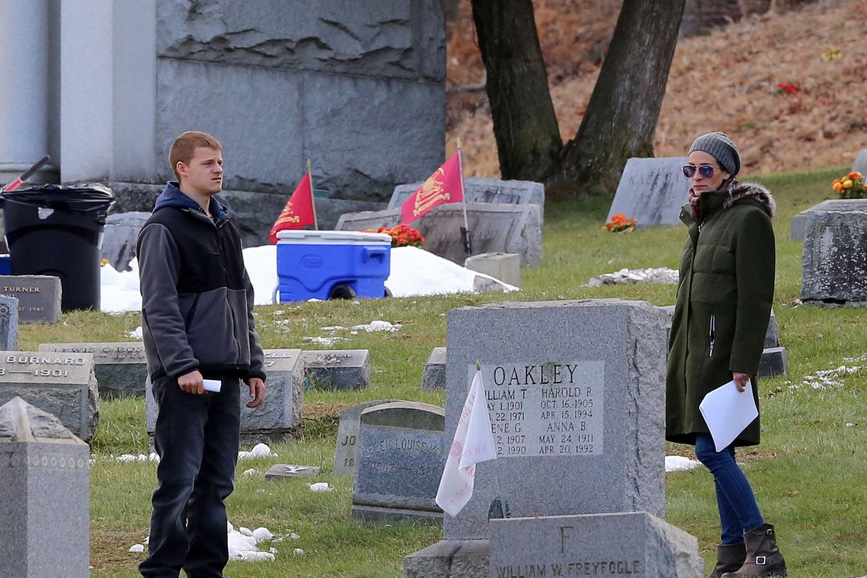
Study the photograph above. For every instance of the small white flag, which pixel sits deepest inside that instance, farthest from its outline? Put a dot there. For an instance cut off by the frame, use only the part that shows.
(473, 443)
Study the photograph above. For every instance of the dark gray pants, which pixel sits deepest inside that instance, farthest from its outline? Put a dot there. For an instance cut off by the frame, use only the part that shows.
(196, 437)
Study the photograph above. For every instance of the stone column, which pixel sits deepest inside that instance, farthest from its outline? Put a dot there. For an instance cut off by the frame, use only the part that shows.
(24, 104)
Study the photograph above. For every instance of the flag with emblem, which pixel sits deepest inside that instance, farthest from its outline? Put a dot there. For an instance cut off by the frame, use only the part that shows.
(473, 444)
(298, 212)
(446, 185)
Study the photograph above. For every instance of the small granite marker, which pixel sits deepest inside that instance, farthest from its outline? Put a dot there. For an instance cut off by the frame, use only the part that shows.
(434, 376)
(8, 323)
(38, 296)
(338, 369)
(45, 502)
(121, 368)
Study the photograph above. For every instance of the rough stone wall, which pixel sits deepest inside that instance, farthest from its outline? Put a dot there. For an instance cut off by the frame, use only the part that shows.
(356, 87)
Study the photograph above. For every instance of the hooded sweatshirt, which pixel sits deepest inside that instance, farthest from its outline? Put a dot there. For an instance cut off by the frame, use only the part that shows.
(197, 299)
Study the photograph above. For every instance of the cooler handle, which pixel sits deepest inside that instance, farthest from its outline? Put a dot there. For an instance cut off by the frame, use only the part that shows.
(375, 254)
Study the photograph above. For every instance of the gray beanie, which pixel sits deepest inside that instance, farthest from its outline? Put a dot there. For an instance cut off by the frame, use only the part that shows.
(720, 147)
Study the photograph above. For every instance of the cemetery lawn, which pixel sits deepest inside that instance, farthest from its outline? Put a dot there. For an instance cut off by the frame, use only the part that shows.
(809, 472)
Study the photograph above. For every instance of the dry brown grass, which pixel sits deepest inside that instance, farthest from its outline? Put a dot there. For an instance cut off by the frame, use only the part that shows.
(726, 81)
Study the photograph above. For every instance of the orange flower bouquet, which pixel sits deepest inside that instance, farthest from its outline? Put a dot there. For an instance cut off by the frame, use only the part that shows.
(403, 236)
(620, 224)
(850, 186)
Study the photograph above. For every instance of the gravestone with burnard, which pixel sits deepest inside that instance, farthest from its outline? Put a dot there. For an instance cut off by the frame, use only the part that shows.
(652, 191)
(573, 390)
(634, 545)
(121, 368)
(345, 454)
(45, 502)
(8, 323)
(280, 414)
(401, 454)
(62, 384)
(38, 296)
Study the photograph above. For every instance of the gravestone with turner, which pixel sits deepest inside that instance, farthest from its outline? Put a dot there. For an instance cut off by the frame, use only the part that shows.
(62, 384)
(574, 397)
(401, 454)
(652, 191)
(279, 416)
(121, 368)
(45, 502)
(38, 296)
(8, 323)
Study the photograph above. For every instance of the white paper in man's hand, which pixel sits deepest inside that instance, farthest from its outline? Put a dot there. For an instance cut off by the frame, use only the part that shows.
(727, 412)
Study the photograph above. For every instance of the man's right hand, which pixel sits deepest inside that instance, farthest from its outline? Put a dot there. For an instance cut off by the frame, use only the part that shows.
(192, 382)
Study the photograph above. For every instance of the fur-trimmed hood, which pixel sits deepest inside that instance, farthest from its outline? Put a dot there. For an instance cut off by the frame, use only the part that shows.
(739, 191)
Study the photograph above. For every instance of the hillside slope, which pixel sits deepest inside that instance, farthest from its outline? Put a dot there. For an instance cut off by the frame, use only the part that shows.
(727, 80)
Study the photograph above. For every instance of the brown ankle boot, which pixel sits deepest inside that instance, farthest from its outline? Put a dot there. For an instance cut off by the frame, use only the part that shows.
(729, 557)
(763, 556)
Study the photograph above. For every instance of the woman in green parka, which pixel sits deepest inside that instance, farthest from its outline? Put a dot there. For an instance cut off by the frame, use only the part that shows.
(718, 332)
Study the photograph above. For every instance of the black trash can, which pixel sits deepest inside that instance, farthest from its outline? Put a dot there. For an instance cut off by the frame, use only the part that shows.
(57, 230)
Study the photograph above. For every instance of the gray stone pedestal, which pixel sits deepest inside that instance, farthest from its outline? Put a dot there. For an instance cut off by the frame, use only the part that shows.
(45, 502)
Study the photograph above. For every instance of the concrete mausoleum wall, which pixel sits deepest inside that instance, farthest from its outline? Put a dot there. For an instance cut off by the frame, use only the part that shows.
(356, 87)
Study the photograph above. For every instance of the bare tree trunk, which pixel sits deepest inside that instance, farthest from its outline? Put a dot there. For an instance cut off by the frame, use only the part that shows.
(623, 111)
(525, 126)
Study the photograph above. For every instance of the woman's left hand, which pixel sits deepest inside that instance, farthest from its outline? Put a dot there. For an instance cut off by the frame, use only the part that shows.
(740, 380)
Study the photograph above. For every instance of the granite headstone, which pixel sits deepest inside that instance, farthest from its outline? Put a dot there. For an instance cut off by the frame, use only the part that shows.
(861, 162)
(62, 384)
(652, 191)
(634, 544)
(481, 190)
(38, 296)
(798, 229)
(505, 267)
(279, 416)
(8, 323)
(337, 369)
(45, 502)
(434, 375)
(345, 454)
(121, 367)
(834, 258)
(401, 455)
(118, 241)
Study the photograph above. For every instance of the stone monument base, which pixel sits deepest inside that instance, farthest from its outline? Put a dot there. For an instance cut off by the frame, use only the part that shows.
(450, 559)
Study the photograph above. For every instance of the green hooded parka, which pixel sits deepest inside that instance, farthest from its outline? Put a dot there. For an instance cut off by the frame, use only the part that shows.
(724, 299)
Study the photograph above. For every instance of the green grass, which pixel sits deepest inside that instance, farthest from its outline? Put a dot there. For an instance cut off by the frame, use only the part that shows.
(809, 473)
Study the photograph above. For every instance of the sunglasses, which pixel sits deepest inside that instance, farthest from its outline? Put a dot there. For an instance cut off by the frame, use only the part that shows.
(704, 170)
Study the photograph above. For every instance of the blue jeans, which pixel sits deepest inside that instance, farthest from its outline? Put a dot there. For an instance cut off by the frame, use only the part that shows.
(196, 437)
(738, 510)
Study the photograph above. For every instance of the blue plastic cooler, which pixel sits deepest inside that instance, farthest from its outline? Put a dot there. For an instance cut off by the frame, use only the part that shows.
(332, 264)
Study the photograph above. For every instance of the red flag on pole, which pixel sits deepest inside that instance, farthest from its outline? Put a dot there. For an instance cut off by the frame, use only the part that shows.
(444, 186)
(298, 212)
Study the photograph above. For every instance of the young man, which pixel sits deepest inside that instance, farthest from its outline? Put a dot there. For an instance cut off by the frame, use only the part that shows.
(197, 320)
